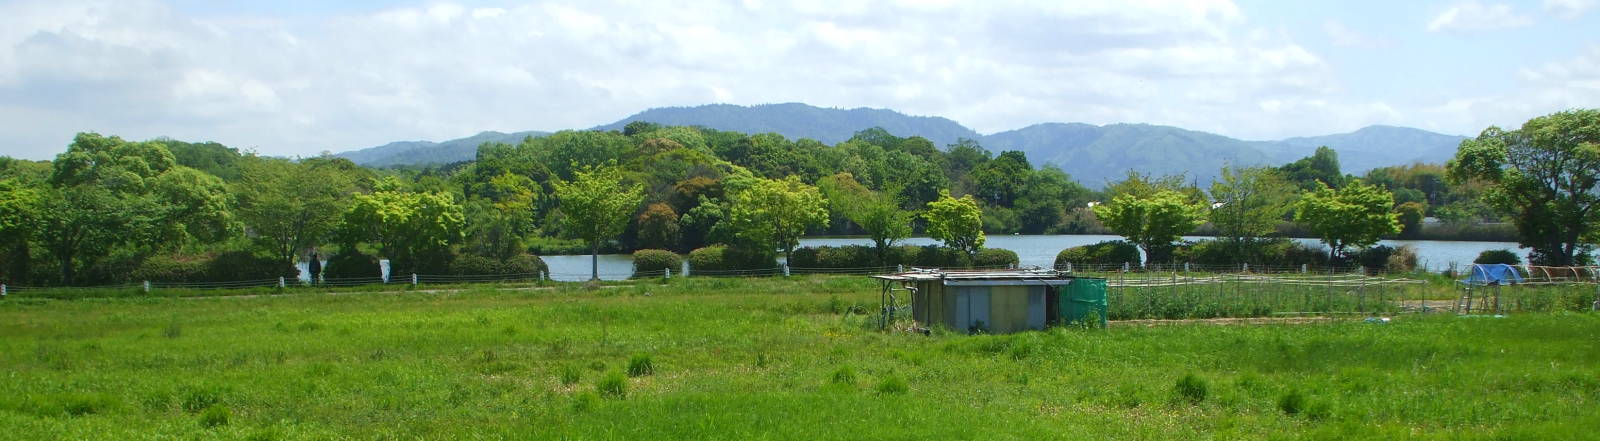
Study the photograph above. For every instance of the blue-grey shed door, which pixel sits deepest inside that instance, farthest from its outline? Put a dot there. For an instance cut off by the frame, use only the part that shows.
(1035, 307)
(972, 308)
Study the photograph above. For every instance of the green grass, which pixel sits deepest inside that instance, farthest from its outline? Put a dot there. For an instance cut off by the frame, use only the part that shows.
(765, 358)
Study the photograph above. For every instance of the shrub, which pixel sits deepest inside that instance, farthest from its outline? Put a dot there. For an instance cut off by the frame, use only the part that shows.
(476, 265)
(892, 384)
(1111, 252)
(1285, 252)
(242, 265)
(725, 258)
(640, 365)
(170, 269)
(1504, 256)
(838, 257)
(1403, 259)
(1191, 389)
(931, 256)
(614, 385)
(995, 258)
(351, 264)
(215, 416)
(655, 261)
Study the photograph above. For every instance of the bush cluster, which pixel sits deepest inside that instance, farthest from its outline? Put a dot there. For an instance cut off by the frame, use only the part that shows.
(995, 258)
(930, 256)
(476, 265)
(725, 258)
(655, 261)
(350, 264)
(230, 266)
(1504, 256)
(1272, 252)
(1111, 252)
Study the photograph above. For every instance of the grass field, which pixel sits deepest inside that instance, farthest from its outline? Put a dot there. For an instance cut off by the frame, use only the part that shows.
(780, 358)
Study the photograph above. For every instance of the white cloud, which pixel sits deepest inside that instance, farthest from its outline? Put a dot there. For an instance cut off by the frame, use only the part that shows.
(1343, 36)
(1568, 9)
(306, 84)
(1473, 16)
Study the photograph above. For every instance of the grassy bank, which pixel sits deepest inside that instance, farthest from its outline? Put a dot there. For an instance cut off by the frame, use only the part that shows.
(762, 358)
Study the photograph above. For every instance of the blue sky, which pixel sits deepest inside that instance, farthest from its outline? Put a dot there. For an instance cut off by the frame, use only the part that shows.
(301, 77)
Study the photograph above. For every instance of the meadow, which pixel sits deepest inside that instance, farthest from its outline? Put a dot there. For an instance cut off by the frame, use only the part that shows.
(776, 358)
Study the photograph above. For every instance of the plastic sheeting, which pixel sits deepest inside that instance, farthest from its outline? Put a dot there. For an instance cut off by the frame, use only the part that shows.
(1492, 274)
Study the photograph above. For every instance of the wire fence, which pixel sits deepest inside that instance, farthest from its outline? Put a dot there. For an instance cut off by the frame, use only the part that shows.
(1134, 292)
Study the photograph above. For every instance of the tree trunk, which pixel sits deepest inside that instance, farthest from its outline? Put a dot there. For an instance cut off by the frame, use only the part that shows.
(66, 270)
(594, 260)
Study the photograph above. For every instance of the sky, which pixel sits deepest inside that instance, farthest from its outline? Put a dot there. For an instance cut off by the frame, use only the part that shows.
(297, 77)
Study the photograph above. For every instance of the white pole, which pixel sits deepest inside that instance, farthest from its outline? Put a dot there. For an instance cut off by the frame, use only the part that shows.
(1303, 268)
(280, 282)
(786, 269)
(1069, 267)
(413, 279)
(668, 273)
(899, 268)
(2, 290)
(147, 286)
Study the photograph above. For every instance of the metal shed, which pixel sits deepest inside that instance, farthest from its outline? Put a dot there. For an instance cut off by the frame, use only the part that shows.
(996, 301)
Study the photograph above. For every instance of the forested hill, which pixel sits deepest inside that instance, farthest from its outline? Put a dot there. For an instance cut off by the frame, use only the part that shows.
(1091, 154)
(795, 120)
(429, 152)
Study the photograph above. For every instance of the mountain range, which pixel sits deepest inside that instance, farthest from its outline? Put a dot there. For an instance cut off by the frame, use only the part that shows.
(1092, 154)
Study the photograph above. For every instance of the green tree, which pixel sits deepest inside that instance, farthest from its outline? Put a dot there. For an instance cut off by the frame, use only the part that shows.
(658, 227)
(1544, 176)
(1410, 215)
(1000, 180)
(956, 222)
(1153, 222)
(500, 220)
(1353, 216)
(414, 230)
(1249, 203)
(773, 213)
(291, 206)
(596, 205)
(879, 214)
(105, 192)
(1322, 166)
(19, 223)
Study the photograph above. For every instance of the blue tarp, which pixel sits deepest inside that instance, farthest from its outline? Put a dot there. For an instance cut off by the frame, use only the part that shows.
(1492, 274)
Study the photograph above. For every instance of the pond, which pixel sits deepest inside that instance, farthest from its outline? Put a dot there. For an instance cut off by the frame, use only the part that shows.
(1035, 250)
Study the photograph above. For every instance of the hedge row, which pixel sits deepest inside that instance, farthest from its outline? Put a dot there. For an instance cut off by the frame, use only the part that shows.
(355, 264)
(654, 261)
(726, 258)
(232, 266)
(931, 256)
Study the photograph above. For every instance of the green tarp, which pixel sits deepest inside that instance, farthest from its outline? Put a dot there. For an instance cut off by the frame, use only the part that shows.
(1083, 302)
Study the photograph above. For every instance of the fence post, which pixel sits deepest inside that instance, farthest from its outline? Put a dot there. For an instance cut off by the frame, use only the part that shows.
(1124, 266)
(543, 276)
(1186, 267)
(2, 290)
(684, 269)
(1069, 267)
(280, 282)
(786, 269)
(413, 279)
(147, 287)
(1303, 268)
(1246, 267)
(899, 268)
(667, 274)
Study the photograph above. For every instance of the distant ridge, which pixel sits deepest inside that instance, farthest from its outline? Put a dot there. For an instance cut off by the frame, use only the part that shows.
(429, 152)
(1091, 154)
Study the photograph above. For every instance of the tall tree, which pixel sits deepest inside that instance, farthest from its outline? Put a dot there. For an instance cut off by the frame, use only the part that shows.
(291, 206)
(1248, 204)
(596, 205)
(1544, 175)
(414, 230)
(956, 222)
(19, 223)
(774, 213)
(1322, 166)
(879, 214)
(1153, 222)
(105, 192)
(1353, 216)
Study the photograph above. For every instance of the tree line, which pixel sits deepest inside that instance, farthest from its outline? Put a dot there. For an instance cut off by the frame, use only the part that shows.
(107, 206)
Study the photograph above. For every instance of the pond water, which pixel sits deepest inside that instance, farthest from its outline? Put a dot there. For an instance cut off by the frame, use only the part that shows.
(1035, 250)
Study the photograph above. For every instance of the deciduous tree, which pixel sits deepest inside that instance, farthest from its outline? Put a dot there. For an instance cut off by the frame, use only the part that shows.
(596, 205)
(1353, 216)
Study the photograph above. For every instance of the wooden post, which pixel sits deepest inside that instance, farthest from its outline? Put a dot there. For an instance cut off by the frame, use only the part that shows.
(413, 279)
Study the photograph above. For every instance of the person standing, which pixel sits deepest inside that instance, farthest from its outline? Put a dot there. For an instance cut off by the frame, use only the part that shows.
(315, 268)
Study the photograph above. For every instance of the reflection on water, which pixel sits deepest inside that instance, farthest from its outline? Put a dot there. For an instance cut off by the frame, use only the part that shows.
(1037, 250)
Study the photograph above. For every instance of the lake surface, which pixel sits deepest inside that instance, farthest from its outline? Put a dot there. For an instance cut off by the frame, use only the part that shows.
(1036, 250)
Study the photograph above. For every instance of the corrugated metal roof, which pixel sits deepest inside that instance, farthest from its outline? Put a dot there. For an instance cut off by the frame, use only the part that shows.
(917, 274)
